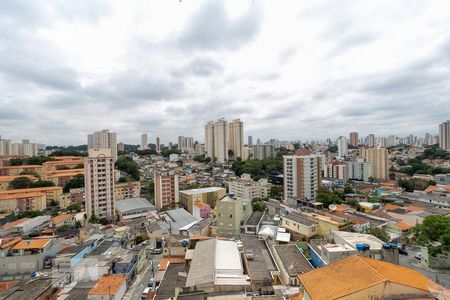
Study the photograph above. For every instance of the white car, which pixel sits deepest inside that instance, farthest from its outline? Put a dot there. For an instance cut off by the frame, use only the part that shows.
(418, 255)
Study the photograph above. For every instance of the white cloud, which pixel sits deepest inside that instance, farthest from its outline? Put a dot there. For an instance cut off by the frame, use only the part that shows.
(289, 69)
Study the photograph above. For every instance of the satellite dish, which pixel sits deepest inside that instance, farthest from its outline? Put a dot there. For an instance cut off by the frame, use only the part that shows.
(332, 207)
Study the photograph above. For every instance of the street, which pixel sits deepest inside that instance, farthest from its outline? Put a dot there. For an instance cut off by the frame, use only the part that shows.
(440, 276)
(141, 280)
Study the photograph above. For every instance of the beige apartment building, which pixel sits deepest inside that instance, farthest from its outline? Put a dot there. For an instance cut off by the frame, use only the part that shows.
(127, 190)
(166, 189)
(209, 195)
(354, 139)
(247, 188)
(99, 183)
(378, 159)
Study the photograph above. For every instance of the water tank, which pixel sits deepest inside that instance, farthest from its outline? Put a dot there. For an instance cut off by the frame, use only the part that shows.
(362, 246)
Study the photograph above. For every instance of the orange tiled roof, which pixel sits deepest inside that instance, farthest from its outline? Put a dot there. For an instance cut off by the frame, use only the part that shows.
(353, 219)
(344, 277)
(201, 204)
(21, 167)
(415, 208)
(5, 243)
(13, 223)
(200, 237)
(41, 237)
(388, 206)
(31, 244)
(403, 225)
(164, 263)
(431, 188)
(340, 207)
(21, 195)
(11, 178)
(31, 190)
(6, 285)
(108, 285)
(61, 218)
(63, 162)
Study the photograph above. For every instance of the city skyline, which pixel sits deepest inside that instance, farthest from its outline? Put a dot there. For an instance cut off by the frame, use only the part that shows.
(328, 69)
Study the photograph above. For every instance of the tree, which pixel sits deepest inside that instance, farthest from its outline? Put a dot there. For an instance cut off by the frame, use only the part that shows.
(230, 154)
(434, 233)
(122, 179)
(42, 183)
(76, 182)
(127, 165)
(327, 197)
(379, 233)
(207, 160)
(259, 206)
(93, 219)
(20, 183)
(75, 206)
(276, 192)
(348, 189)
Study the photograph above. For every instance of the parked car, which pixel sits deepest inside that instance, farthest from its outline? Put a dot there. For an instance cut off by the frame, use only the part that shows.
(157, 251)
(145, 293)
(418, 255)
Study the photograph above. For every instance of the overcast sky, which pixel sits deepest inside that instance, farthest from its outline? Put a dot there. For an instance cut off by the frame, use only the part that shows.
(289, 69)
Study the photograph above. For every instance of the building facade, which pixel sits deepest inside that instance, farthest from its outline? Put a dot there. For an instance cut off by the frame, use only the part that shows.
(246, 188)
(444, 135)
(99, 183)
(166, 189)
(103, 140)
(302, 176)
(378, 159)
(354, 139)
(144, 142)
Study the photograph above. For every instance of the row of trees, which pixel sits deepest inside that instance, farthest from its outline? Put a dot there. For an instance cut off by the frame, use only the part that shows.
(26, 183)
(34, 160)
(411, 184)
(127, 165)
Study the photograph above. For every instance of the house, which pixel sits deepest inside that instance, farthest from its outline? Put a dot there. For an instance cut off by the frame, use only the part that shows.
(133, 208)
(8, 228)
(291, 262)
(253, 222)
(299, 226)
(31, 247)
(109, 287)
(201, 210)
(358, 277)
(63, 220)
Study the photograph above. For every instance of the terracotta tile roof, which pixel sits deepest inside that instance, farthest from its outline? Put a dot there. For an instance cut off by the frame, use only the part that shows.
(31, 244)
(31, 190)
(164, 263)
(357, 273)
(5, 243)
(108, 285)
(200, 237)
(45, 237)
(13, 223)
(431, 188)
(201, 204)
(21, 195)
(415, 208)
(297, 296)
(63, 162)
(6, 285)
(21, 167)
(403, 225)
(61, 218)
(388, 206)
(11, 178)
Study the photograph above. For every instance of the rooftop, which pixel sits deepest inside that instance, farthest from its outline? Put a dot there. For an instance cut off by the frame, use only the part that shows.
(61, 218)
(293, 259)
(171, 281)
(343, 277)
(254, 218)
(260, 262)
(202, 190)
(133, 204)
(13, 223)
(108, 285)
(31, 244)
(299, 219)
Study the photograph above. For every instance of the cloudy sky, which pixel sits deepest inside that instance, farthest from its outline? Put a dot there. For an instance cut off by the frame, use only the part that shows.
(288, 69)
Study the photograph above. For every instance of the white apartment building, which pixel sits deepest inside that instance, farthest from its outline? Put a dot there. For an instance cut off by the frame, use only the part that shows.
(247, 188)
(444, 135)
(220, 137)
(103, 140)
(23, 148)
(99, 183)
(302, 176)
(359, 170)
(371, 140)
(342, 144)
(186, 144)
(144, 142)
(336, 171)
(158, 145)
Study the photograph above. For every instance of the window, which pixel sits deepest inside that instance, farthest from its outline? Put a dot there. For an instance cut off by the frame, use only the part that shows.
(230, 216)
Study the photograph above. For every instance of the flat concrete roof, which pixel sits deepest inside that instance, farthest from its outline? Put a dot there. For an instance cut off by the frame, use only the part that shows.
(202, 190)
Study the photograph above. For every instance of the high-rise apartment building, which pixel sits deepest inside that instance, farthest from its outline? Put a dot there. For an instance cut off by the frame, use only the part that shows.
(336, 170)
(144, 142)
(354, 140)
(24, 148)
(342, 144)
(121, 147)
(444, 135)
(250, 141)
(378, 159)
(246, 188)
(359, 170)
(220, 137)
(103, 140)
(263, 151)
(371, 140)
(186, 144)
(5, 147)
(302, 176)
(235, 137)
(166, 189)
(158, 145)
(99, 183)
(231, 211)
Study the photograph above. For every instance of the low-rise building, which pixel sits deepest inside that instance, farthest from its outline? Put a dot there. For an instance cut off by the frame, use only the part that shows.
(231, 212)
(5, 180)
(63, 220)
(201, 210)
(358, 277)
(61, 177)
(209, 195)
(17, 170)
(133, 208)
(127, 190)
(109, 287)
(52, 193)
(299, 226)
(291, 262)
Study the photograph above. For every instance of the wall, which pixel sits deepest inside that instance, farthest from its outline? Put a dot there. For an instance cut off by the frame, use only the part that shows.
(14, 265)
